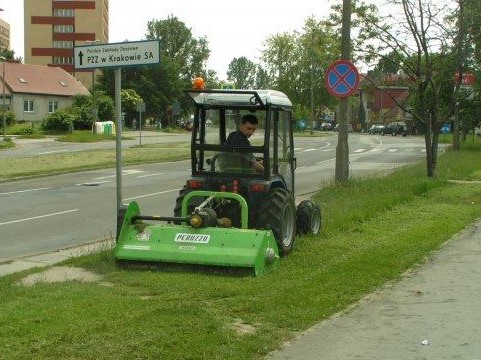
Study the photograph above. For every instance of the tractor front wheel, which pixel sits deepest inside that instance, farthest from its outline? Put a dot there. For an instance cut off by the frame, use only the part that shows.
(308, 217)
(278, 213)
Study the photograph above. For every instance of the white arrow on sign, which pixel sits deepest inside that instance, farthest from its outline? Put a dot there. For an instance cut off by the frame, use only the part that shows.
(117, 54)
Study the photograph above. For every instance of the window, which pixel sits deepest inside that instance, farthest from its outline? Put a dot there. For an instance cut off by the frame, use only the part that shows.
(62, 60)
(63, 29)
(64, 12)
(52, 106)
(28, 105)
(63, 44)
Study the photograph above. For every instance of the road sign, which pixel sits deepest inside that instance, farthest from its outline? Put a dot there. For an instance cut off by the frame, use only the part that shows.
(117, 54)
(342, 78)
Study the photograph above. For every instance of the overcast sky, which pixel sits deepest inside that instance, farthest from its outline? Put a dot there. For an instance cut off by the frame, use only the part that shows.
(232, 28)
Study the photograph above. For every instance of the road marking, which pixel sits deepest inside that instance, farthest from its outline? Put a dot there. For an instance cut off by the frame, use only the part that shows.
(143, 176)
(152, 194)
(54, 152)
(22, 191)
(96, 183)
(359, 150)
(38, 217)
(308, 150)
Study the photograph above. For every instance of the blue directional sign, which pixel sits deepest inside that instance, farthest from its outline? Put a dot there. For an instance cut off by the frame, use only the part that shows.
(342, 78)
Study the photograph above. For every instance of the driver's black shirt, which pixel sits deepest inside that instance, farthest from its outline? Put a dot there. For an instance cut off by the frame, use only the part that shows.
(237, 138)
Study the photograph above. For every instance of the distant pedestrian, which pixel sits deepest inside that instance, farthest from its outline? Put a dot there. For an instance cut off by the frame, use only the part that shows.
(134, 124)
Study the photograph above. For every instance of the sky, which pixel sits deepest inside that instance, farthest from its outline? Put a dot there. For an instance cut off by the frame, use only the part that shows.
(232, 28)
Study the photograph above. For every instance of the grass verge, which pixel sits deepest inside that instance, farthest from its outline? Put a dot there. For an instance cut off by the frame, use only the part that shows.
(11, 168)
(373, 231)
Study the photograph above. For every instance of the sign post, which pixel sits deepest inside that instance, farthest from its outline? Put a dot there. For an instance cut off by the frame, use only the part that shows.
(140, 109)
(117, 55)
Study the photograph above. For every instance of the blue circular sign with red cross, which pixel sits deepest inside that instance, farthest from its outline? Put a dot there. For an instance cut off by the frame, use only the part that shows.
(342, 78)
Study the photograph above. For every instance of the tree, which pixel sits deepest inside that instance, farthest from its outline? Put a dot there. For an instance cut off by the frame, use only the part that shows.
(130, 99)
(242, 72)
(187, 54)
(160, 86)
(417, 40)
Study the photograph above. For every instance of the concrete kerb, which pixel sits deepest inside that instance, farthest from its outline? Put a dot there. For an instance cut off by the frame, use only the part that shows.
(52, 258)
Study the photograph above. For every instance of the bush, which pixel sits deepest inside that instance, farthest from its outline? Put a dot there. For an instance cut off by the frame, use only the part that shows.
(21, 130)
(58, 121)
(9, 117)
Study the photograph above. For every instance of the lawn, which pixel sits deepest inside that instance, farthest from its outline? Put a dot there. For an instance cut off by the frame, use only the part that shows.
(374, 230)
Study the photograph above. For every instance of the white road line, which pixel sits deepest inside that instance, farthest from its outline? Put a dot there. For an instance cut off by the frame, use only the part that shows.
(308, 150)
(38, 217)
(152, 194)
(93, 183)
(359, 150)
(53, 152)
(23, 191)
(143, 176)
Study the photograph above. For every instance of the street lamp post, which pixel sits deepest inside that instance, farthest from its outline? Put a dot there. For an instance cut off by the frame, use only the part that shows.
(4, 123)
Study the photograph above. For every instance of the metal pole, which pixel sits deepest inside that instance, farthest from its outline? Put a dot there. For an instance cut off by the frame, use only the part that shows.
(94, 113)
(118, 147)
(4, 122)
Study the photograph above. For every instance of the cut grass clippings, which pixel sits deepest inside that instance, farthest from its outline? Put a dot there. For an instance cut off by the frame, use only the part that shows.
(374, 230)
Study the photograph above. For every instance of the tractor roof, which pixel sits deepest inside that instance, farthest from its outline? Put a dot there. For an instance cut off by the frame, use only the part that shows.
(239, 98)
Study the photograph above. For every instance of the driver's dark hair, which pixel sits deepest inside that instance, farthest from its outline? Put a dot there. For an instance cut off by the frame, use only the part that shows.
(249, 118)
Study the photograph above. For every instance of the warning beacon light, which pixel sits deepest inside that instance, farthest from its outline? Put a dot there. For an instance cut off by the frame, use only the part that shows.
(198, 83)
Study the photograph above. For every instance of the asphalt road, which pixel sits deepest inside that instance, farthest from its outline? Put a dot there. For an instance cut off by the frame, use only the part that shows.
(51, 213)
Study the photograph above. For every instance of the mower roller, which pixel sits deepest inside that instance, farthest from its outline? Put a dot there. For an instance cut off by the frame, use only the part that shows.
(201, 238)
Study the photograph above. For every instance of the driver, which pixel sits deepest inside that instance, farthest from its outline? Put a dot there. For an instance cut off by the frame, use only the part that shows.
(241, 136)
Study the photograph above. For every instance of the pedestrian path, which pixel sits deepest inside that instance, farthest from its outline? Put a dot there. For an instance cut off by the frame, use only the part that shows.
(433, 313)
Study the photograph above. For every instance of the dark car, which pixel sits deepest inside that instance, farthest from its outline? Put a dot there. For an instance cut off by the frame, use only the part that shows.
(376, 129)
(395, 128)
(326, 126)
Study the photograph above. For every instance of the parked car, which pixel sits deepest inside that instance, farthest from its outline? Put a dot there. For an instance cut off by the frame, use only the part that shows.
(395, 128)
(376, 129)
(326, 126)
(349, 128)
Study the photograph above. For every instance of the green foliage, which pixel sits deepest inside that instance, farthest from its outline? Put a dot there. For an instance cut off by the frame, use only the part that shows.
(21, 129)
(9, 117)
(242, 72)
(60, 120)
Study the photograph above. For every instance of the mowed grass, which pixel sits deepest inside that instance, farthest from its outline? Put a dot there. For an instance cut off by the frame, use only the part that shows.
(374, 230)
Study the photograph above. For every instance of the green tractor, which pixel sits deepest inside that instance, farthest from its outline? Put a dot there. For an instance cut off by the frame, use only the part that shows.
(231, 211)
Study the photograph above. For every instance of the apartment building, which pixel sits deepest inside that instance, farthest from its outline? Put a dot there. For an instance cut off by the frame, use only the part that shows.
(54, 27)
(4, 34)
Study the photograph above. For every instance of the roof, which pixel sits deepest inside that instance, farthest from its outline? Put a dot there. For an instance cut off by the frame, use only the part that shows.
(40, 79)
(240, 98)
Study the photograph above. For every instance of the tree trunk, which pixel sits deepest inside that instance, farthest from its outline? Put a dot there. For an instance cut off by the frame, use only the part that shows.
(342, 149)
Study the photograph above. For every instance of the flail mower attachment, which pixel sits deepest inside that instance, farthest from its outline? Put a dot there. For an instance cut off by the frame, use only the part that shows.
(200, 238)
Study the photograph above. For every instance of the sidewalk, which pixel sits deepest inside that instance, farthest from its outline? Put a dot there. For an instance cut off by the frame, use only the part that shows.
(433, 313)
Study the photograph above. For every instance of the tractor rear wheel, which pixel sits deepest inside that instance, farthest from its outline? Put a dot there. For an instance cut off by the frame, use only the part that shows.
(120, 220)
(195, 201)
(308, 217)
(278, 213)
